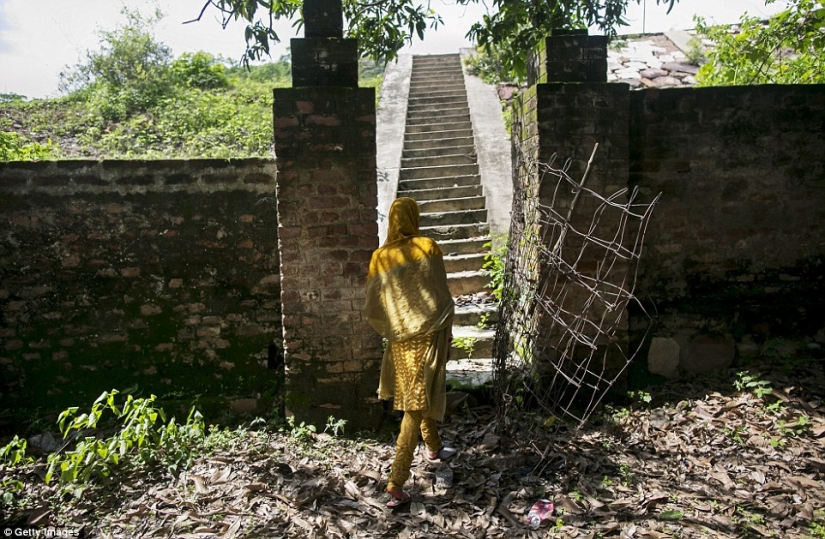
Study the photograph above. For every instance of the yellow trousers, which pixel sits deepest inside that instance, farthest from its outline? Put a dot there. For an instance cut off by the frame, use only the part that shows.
(413, 422)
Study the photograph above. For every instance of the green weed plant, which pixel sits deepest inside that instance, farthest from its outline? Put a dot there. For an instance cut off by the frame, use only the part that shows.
(142, 435)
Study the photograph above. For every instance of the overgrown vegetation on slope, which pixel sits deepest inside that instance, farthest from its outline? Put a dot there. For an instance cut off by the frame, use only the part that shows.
(130, 99)
(788, 48)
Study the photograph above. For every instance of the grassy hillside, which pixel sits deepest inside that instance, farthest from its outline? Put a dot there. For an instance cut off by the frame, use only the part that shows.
(185, 122)
(131, 99)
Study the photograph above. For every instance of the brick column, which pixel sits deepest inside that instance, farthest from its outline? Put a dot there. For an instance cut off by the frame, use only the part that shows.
(324, 130)
(567, 109)
(568, 56)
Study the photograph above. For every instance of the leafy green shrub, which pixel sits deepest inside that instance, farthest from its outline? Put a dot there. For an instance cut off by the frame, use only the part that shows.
(788, 49)
(337, 426)
(468, 344)
(130, 73)
(143, 436)
(8, 489)
(199, 70)
(494, 265)
(818, 525)
(277, 74)
(15, 147)
(488, 66)
(11, 97)
(303, 434)
(14, 452)
(194, 107)
(748, 381)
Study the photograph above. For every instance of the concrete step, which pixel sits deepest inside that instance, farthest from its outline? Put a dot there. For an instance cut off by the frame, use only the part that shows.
(444, 56)
(437, 115)
(422, 90)
(467, 282)
(425, 88)
(433, 118)
(422, 104)
(430, 143)
(435, 110)
(456, 91)
(436, 76)
(466, 158)
(456, 232)
(435, 135)
(443, 171)
(436, 105)
(464, 246)
(450, 64)
(466, 148)
(436, 82)
(469, 373)
(471, 342)
(451, 204)
(447, 63)
(468, 262)
(408, 186)
(437, 68)
(421, 100)
(473, 315)
(430, 195)
(460, 217)
(439, 127)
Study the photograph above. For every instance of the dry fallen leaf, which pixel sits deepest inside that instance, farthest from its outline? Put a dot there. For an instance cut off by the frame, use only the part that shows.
(715, 454)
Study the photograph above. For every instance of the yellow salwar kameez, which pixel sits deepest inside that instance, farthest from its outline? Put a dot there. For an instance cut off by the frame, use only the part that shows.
(409, 304)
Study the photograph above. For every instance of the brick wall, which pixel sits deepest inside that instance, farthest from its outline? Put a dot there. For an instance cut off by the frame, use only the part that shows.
(735, 253)
(160, 274)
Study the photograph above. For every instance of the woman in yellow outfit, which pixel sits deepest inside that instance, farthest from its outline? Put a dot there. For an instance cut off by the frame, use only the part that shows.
(409, 304)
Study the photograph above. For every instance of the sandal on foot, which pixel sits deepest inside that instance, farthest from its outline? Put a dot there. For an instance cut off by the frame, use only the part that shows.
(397, 498)
(445, 453)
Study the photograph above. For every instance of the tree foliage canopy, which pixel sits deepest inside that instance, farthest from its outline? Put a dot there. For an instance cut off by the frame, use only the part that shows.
(383, 27)
(515, 27)
(789, 48)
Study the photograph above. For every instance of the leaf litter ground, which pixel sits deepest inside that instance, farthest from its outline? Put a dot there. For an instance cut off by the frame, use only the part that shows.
(701, 459)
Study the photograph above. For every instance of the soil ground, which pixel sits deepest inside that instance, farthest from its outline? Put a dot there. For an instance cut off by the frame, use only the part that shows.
(729, 455)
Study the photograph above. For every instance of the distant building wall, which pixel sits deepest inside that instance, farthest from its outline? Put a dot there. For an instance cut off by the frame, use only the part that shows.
(160, 274)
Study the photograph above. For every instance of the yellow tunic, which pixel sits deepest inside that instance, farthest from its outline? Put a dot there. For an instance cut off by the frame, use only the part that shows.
(409, 304)
(410, 382)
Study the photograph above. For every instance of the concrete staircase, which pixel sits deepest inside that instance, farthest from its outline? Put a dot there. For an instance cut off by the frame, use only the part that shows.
(440, 171)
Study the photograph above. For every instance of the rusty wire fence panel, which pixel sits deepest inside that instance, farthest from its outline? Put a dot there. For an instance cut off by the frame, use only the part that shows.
(562, 339)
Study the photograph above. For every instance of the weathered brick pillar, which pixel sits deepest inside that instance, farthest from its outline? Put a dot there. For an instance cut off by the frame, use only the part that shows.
(324, 129)
(568, 56)
(568, 108)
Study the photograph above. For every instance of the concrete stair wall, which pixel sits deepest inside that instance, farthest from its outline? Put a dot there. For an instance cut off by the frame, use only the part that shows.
(439, 169)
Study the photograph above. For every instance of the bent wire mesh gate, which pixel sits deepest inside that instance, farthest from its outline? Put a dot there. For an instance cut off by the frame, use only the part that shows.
(562, 339)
